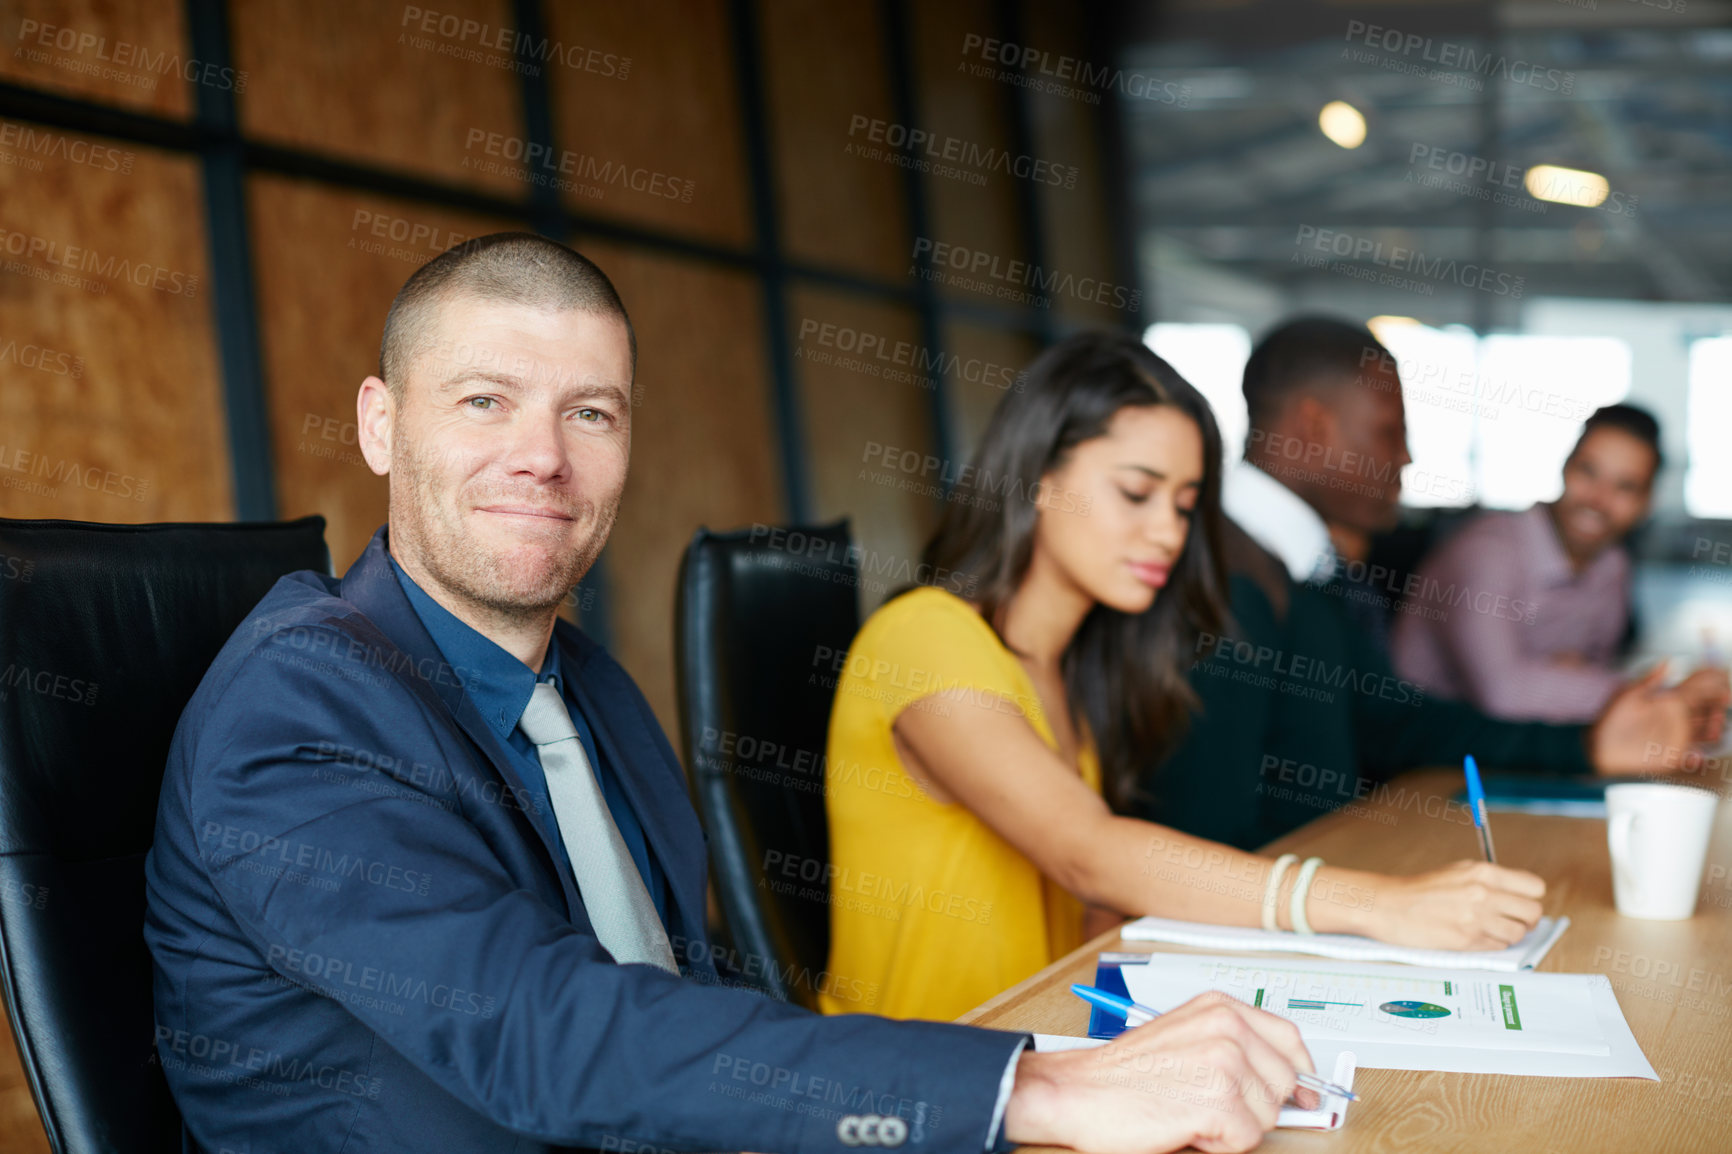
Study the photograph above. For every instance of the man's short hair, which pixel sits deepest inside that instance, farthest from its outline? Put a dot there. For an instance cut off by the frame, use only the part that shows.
(1630, 419)
(514, 267)
(1306, 352)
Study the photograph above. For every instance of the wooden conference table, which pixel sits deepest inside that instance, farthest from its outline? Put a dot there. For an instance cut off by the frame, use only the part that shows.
(1673, 981)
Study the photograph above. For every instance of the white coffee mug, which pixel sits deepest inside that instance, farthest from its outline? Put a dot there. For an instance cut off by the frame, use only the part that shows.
(1658, 835)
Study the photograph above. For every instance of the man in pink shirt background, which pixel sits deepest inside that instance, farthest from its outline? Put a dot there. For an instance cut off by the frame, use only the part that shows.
(1538, 601)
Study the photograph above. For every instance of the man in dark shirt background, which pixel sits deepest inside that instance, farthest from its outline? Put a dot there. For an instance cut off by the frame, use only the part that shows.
(1300, 710)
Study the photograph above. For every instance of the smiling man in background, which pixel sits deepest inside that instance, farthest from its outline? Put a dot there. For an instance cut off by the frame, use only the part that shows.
(1564, 562)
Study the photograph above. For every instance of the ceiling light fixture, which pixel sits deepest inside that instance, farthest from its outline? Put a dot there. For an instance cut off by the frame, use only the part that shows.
(1566, 185)
(1342, 123)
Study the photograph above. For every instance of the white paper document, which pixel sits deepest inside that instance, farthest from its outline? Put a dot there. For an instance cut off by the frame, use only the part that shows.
(1331, 1111)
(1413, 1018)
(1524, 955)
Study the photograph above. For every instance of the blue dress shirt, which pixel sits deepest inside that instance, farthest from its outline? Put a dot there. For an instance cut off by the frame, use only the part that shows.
(500, 686)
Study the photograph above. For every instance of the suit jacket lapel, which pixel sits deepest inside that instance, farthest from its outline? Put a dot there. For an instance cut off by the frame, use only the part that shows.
(372, 587)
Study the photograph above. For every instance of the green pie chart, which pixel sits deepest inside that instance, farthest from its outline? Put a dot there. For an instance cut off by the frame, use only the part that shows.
(1415, 1009)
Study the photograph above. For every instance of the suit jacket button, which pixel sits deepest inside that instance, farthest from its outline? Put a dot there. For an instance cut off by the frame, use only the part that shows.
(892, 1131)
(848, 1130)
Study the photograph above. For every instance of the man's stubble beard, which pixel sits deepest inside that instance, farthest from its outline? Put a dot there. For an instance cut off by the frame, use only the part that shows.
(462, 567)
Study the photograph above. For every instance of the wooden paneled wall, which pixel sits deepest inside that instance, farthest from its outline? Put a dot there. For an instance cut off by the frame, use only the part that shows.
(110, 404)
(111, 387)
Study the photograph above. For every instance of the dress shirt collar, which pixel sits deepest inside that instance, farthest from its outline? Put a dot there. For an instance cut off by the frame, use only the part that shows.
(1545, 549)
(1280, 520)
(499, 684)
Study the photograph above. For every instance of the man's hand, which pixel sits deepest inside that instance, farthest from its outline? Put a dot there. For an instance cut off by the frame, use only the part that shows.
(1212, 1073)
(1706, 693)
(1640, 718)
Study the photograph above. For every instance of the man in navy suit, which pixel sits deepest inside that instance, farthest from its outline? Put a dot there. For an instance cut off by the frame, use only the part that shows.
(422, 848)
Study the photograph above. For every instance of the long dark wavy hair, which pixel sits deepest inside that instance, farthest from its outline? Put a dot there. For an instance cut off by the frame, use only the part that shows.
(1124, 673)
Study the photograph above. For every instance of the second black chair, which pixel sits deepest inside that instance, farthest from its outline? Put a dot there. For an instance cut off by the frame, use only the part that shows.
(763, 621)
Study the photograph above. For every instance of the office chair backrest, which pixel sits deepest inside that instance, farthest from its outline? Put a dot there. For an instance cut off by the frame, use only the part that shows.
(764, 618)
(105, 631)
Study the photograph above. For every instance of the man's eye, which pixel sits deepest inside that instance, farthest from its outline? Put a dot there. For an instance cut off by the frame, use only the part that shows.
(480, 402)
(592, 416)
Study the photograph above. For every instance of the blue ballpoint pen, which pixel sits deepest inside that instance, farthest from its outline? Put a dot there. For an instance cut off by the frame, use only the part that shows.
(1135, 1015)
(1476, 803)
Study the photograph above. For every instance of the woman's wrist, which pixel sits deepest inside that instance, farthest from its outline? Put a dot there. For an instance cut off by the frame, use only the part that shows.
(1346, 901)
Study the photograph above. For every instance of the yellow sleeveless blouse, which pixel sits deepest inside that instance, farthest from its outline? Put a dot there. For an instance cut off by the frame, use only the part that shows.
(931, 912)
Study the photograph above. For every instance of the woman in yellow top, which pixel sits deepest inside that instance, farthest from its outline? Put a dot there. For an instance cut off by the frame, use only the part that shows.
(1041, 662)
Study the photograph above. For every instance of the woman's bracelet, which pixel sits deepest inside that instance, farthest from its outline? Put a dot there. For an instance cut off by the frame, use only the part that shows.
(1273, 889)
(1301, 890)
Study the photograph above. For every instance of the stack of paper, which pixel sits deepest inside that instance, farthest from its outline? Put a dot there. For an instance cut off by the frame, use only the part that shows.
(1411, 1018)
(1524, 955)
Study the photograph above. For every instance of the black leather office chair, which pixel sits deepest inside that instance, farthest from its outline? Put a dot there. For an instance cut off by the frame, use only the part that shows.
(764, 619)
(105, 631)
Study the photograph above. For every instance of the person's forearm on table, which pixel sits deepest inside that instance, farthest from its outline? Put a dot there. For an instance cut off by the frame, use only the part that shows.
(1141, 868)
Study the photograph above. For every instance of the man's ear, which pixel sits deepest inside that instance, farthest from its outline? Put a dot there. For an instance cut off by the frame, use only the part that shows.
(375, 416)
(1313, 422)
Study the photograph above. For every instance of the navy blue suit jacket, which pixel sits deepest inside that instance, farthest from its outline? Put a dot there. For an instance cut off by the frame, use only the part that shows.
(363, 943)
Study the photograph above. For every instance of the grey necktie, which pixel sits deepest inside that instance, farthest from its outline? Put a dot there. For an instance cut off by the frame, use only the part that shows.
(614, 895)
